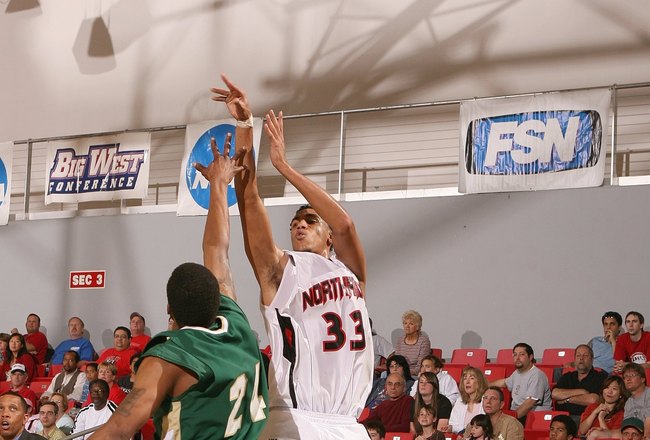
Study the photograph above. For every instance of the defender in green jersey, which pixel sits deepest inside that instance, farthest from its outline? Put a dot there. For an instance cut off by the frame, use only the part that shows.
(204, 378)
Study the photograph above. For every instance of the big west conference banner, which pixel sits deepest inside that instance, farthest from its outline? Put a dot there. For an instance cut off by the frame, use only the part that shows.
(98, 168)
(546, 141)
(194, 189)
(6, 158)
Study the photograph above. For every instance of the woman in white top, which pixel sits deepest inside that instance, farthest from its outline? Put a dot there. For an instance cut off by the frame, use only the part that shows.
(472, 387)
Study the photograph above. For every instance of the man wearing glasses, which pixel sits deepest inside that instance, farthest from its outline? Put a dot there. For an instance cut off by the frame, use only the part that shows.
(638, 405)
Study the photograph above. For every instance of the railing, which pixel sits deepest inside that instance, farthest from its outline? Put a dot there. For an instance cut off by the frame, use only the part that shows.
(380, 150)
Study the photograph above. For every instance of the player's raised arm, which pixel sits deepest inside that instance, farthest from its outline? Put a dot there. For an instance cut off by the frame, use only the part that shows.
(266, 258)
(345, 239)
(216, 236)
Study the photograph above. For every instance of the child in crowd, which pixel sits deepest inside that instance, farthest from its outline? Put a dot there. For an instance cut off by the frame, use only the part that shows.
(426, 422)
(480, 428)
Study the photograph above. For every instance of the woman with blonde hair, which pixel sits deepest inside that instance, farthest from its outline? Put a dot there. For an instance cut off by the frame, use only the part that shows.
(415, 345)
(472, 387)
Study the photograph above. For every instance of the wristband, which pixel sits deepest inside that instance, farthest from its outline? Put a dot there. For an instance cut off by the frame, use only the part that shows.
(248, 123)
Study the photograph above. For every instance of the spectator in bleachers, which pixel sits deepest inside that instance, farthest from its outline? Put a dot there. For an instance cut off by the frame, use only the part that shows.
(528, 384)
(473, 385)
(425, 424)
(395, 413)
(17, 354)
(35, 340)
(429, 394)
(91, 374)
(480, 428)
(376, 430)
(562, 428)
(70, 381)
(504, 426)
(415, 345)
(638, 405)
(121, 352)
(633, 429)
(603, 419)
(63, 420)
(47, 417)
(603, 346)
(448, 386)
(577, 389)
(139, 339)
(98, 412)
(382, 348)
(633, 346)
(76, 343)
(19, 386)
(395, 364)
(106, 372)
(126, 382)
(4, 346)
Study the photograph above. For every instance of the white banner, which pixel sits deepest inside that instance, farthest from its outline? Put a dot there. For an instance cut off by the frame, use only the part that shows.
(6, 160)
(193, 188)
(98, 168)
(546, 141)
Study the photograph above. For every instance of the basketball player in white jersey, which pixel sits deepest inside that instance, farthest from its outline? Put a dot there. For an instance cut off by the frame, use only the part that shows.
(313, 302)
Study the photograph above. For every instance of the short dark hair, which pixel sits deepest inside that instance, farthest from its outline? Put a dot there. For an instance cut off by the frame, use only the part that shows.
(23, 402)
(637, 314)
(377, 426)
(499, 391)
(92, 364)
(193, 295)
(36, 316)
(437, 362)
(126, 329)
(54, 405)
(76, 355)
(615, 315)
(101, 383)
(528, 348)
(568, 423)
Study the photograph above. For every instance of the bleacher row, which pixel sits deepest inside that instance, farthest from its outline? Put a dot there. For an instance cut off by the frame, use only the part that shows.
(554, 363)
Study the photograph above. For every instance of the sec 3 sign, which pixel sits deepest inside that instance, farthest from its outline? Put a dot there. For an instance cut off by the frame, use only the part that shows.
(95, 279)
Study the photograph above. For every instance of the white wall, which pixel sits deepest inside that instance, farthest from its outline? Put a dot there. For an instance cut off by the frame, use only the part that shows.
(484, 270)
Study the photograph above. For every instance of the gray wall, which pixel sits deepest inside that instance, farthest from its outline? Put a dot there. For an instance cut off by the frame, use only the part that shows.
(484, 270)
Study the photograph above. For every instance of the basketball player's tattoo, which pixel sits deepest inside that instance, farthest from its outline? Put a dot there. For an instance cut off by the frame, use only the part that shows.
(129, 402)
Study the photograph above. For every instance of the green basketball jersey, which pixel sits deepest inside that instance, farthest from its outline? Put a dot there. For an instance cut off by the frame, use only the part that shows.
(229, 400)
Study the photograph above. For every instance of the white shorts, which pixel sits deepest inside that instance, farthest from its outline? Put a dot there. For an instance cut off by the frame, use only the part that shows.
(296, 424)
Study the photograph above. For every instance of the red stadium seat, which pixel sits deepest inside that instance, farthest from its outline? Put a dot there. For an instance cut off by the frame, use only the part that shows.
(450, 436)
(504, 356)
(55, 369)
(536, 434)
(558, 356)
(454, 371)
(494, 372)
(5, 386)
(147, 430)
(41, 370)
(541, 420)
(437, 352)
(364, 415)
(476, 357)
(399, 436)
(40, 385)
(549, 371)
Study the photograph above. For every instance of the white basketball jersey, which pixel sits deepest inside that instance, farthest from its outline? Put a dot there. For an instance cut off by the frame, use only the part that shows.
(321, 344)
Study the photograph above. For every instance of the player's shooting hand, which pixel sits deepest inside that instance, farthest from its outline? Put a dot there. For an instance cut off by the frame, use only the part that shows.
(223, 168)
(234, 98)
(274, 128)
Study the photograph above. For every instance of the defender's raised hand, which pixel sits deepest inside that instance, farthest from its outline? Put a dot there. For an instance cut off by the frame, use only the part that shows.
(223, 168)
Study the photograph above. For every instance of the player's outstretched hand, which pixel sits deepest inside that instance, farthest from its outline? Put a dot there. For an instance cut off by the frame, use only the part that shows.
(235, 99)
(223, 168)
(274, 128)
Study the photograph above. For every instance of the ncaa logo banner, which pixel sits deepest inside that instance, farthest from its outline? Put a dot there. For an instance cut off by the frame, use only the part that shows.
(193, 188)
(545, 141)
(98, 168)
(6, 158)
